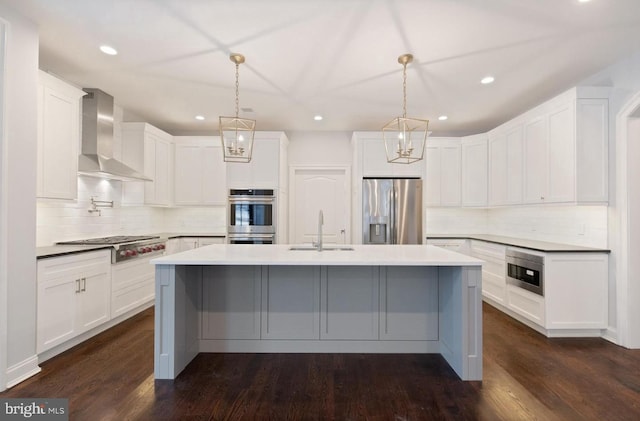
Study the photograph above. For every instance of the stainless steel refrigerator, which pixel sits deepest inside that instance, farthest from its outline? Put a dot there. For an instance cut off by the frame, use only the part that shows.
(392, 211)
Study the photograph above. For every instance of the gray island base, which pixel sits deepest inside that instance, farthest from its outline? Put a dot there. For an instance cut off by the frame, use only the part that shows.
(372, 299)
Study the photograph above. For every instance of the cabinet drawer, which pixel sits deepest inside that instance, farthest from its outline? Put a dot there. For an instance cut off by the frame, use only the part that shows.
(56, 267)
(495, 252)
(526, 304)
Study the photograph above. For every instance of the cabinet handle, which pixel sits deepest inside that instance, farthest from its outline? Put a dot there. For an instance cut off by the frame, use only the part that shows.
(84, 284)
(77, 286)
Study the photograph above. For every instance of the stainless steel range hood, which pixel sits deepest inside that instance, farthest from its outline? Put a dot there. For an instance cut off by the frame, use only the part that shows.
(96, 158)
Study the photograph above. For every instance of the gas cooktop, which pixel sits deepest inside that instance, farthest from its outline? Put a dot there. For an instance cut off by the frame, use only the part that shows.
(115, 239)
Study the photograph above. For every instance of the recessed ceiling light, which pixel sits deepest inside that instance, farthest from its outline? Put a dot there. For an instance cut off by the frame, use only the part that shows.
(583, 1)
(487, 80)
(199, 117)
(443, 118)
(317, 117)
(108, 50)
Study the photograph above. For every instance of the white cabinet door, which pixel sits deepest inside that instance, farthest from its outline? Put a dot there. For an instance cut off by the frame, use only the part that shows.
(505, 167)
(58, 138)
(173, 246)
(73, 296)
(349, 305)
(561, 154)
(291, 302)
(264, 169)
(206, 241)
(498, 161)
(214, 177)
(150, 151)
(188, 174)
(56, 311)
(231, 302)
(592, 150)
(474, 172)
(156, 166)
(443, 173)
(408, 307)
(188, 243)
(94, 299)
(535, 160)
(200, 172)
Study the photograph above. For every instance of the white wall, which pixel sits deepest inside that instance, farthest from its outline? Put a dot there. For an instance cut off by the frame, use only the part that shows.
(624, 78)
(17, 201)
(320, 148)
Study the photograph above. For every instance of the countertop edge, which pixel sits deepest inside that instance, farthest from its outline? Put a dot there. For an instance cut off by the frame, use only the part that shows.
(548, 247)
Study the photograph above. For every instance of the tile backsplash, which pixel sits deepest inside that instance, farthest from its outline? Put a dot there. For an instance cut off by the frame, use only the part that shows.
(62, 220)
(578, 225)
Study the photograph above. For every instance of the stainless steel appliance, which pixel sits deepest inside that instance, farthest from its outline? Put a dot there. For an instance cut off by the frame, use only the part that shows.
(252, 216)
(525, 270)
(97, 158)
(392, 211)
(126, 247)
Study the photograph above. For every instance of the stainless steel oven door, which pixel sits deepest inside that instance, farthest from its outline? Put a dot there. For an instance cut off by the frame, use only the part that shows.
(250, 215)
(251, 239)
(525, 270)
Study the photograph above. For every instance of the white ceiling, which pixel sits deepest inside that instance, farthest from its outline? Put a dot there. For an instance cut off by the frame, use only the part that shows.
(337, 58)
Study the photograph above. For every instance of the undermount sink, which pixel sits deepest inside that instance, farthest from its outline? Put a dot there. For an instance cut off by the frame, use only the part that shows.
(324, 248)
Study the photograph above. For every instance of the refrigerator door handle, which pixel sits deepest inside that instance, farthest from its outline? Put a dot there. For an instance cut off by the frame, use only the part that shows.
(392, 216)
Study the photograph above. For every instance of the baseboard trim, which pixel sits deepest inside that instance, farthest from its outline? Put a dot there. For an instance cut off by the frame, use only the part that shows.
(22, 371)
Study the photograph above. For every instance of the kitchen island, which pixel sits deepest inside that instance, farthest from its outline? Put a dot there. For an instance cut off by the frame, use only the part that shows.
(365, 299)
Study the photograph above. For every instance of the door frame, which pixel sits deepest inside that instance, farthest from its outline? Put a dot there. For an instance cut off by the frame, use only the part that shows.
(346, 170)
(626, 331)
(4, 286)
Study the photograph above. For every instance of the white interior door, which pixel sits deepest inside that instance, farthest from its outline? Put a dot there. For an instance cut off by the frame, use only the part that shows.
(315, 189)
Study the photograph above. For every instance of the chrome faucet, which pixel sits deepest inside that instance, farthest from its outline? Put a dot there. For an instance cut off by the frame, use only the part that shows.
(320, 223)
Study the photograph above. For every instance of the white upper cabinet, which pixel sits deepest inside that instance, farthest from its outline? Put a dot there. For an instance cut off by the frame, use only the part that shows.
(150, 151)
(505, 167)
(373, 160)
(474, 170)
(443, 172)
(565, 146)
(267, 168)
(535, 160)
(200, 172)
(58, 138)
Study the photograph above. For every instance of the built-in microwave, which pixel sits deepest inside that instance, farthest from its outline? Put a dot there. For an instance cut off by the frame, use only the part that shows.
(525, 270)
(252, 211)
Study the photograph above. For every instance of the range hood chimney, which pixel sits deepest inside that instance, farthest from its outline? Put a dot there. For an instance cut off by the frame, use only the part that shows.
(96, 158)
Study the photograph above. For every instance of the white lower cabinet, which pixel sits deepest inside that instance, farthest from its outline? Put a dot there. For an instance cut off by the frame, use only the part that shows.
(526, 304)
(132, 285)
(408, 306)
(349, 302)
(493, 270)
(190, 243)
(291, 302)
(455, 244)
(73, 296)
(231, 302)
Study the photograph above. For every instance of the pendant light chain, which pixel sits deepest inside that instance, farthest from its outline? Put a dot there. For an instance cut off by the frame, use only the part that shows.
(404, 90)
(237, 89)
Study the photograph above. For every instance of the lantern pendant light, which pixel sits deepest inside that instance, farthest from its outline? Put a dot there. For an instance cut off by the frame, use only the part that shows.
(237, 133)
(405, 138)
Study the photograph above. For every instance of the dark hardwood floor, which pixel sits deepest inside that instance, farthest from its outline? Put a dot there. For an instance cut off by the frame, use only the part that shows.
(526, 377)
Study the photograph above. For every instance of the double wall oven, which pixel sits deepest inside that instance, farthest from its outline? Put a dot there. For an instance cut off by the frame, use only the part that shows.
(252, 216)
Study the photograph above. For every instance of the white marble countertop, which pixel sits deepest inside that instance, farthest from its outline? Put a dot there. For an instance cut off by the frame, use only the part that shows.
(361, 255)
